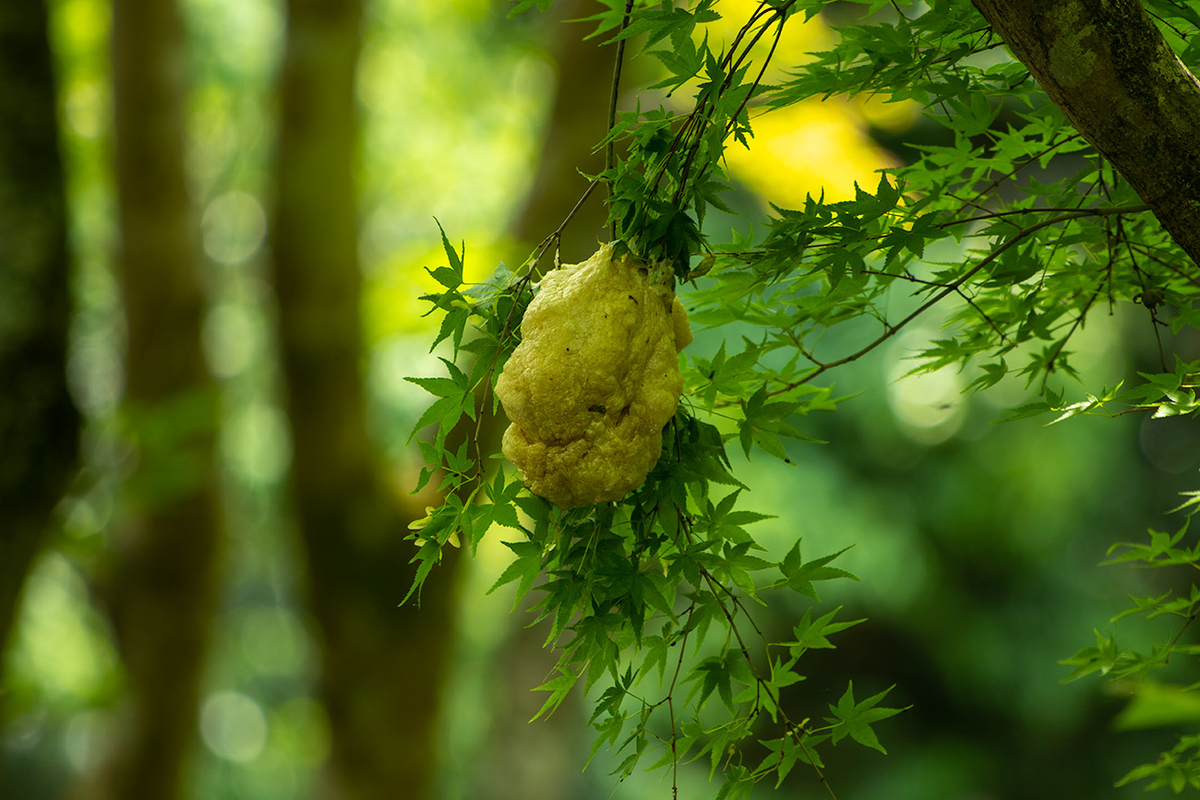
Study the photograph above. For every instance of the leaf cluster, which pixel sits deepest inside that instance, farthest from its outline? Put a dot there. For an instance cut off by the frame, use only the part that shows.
(653, 595)
(1154, 702)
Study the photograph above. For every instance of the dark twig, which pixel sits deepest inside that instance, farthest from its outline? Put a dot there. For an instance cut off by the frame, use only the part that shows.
(1186, 624)
(1148, 251)
(610, 148)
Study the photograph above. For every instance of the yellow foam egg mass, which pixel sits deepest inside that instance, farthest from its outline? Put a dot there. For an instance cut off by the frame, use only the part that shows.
(594, 379)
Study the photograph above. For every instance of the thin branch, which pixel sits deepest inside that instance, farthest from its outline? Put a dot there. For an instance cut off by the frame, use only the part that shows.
(687, 629)
(534, 259)
(539, 252)
(1062, 343)
(951, 288)
(716, 589)
(1186, 624)
(610, 148)
(1015, 211)
(971, 302)
(729, 64)
(1175, 28)
(1012, 173)
(1147, 251)
(758, 78)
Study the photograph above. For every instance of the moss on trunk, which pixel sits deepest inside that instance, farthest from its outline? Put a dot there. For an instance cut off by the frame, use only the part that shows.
(1105, 64)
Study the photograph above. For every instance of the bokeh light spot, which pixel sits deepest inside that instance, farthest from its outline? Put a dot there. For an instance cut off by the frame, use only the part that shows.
(234, 227)
(233, 726)
(256, 443)
(274, 641)
(232, 337)
(929, 406)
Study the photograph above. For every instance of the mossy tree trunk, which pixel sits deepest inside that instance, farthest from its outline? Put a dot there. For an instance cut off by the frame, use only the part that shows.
(381, 666)
(1105, 64)
(160, 587)
(39, 426)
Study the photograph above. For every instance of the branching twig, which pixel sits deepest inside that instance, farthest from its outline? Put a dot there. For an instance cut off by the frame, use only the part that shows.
(1186, 624)
(1148, 251)
(1062, 343)
(731, 67)
(951, 288)
(1012, 173)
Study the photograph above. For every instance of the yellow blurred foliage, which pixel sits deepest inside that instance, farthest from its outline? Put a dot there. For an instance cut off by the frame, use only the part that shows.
(808, 148)
(812, 147)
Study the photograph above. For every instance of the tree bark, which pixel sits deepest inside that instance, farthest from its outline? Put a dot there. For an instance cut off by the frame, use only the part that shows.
(39, 426)
(1105, 64)
(161, 585)
(381, 666)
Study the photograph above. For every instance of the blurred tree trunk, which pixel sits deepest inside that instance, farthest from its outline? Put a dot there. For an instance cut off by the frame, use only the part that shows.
(578, 119)
(381, 665)
(161, 587)
(39, 425)
(510, 770)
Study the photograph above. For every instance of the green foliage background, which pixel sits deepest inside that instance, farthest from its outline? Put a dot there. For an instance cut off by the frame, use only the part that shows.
(975, 544)
(1013, 266)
